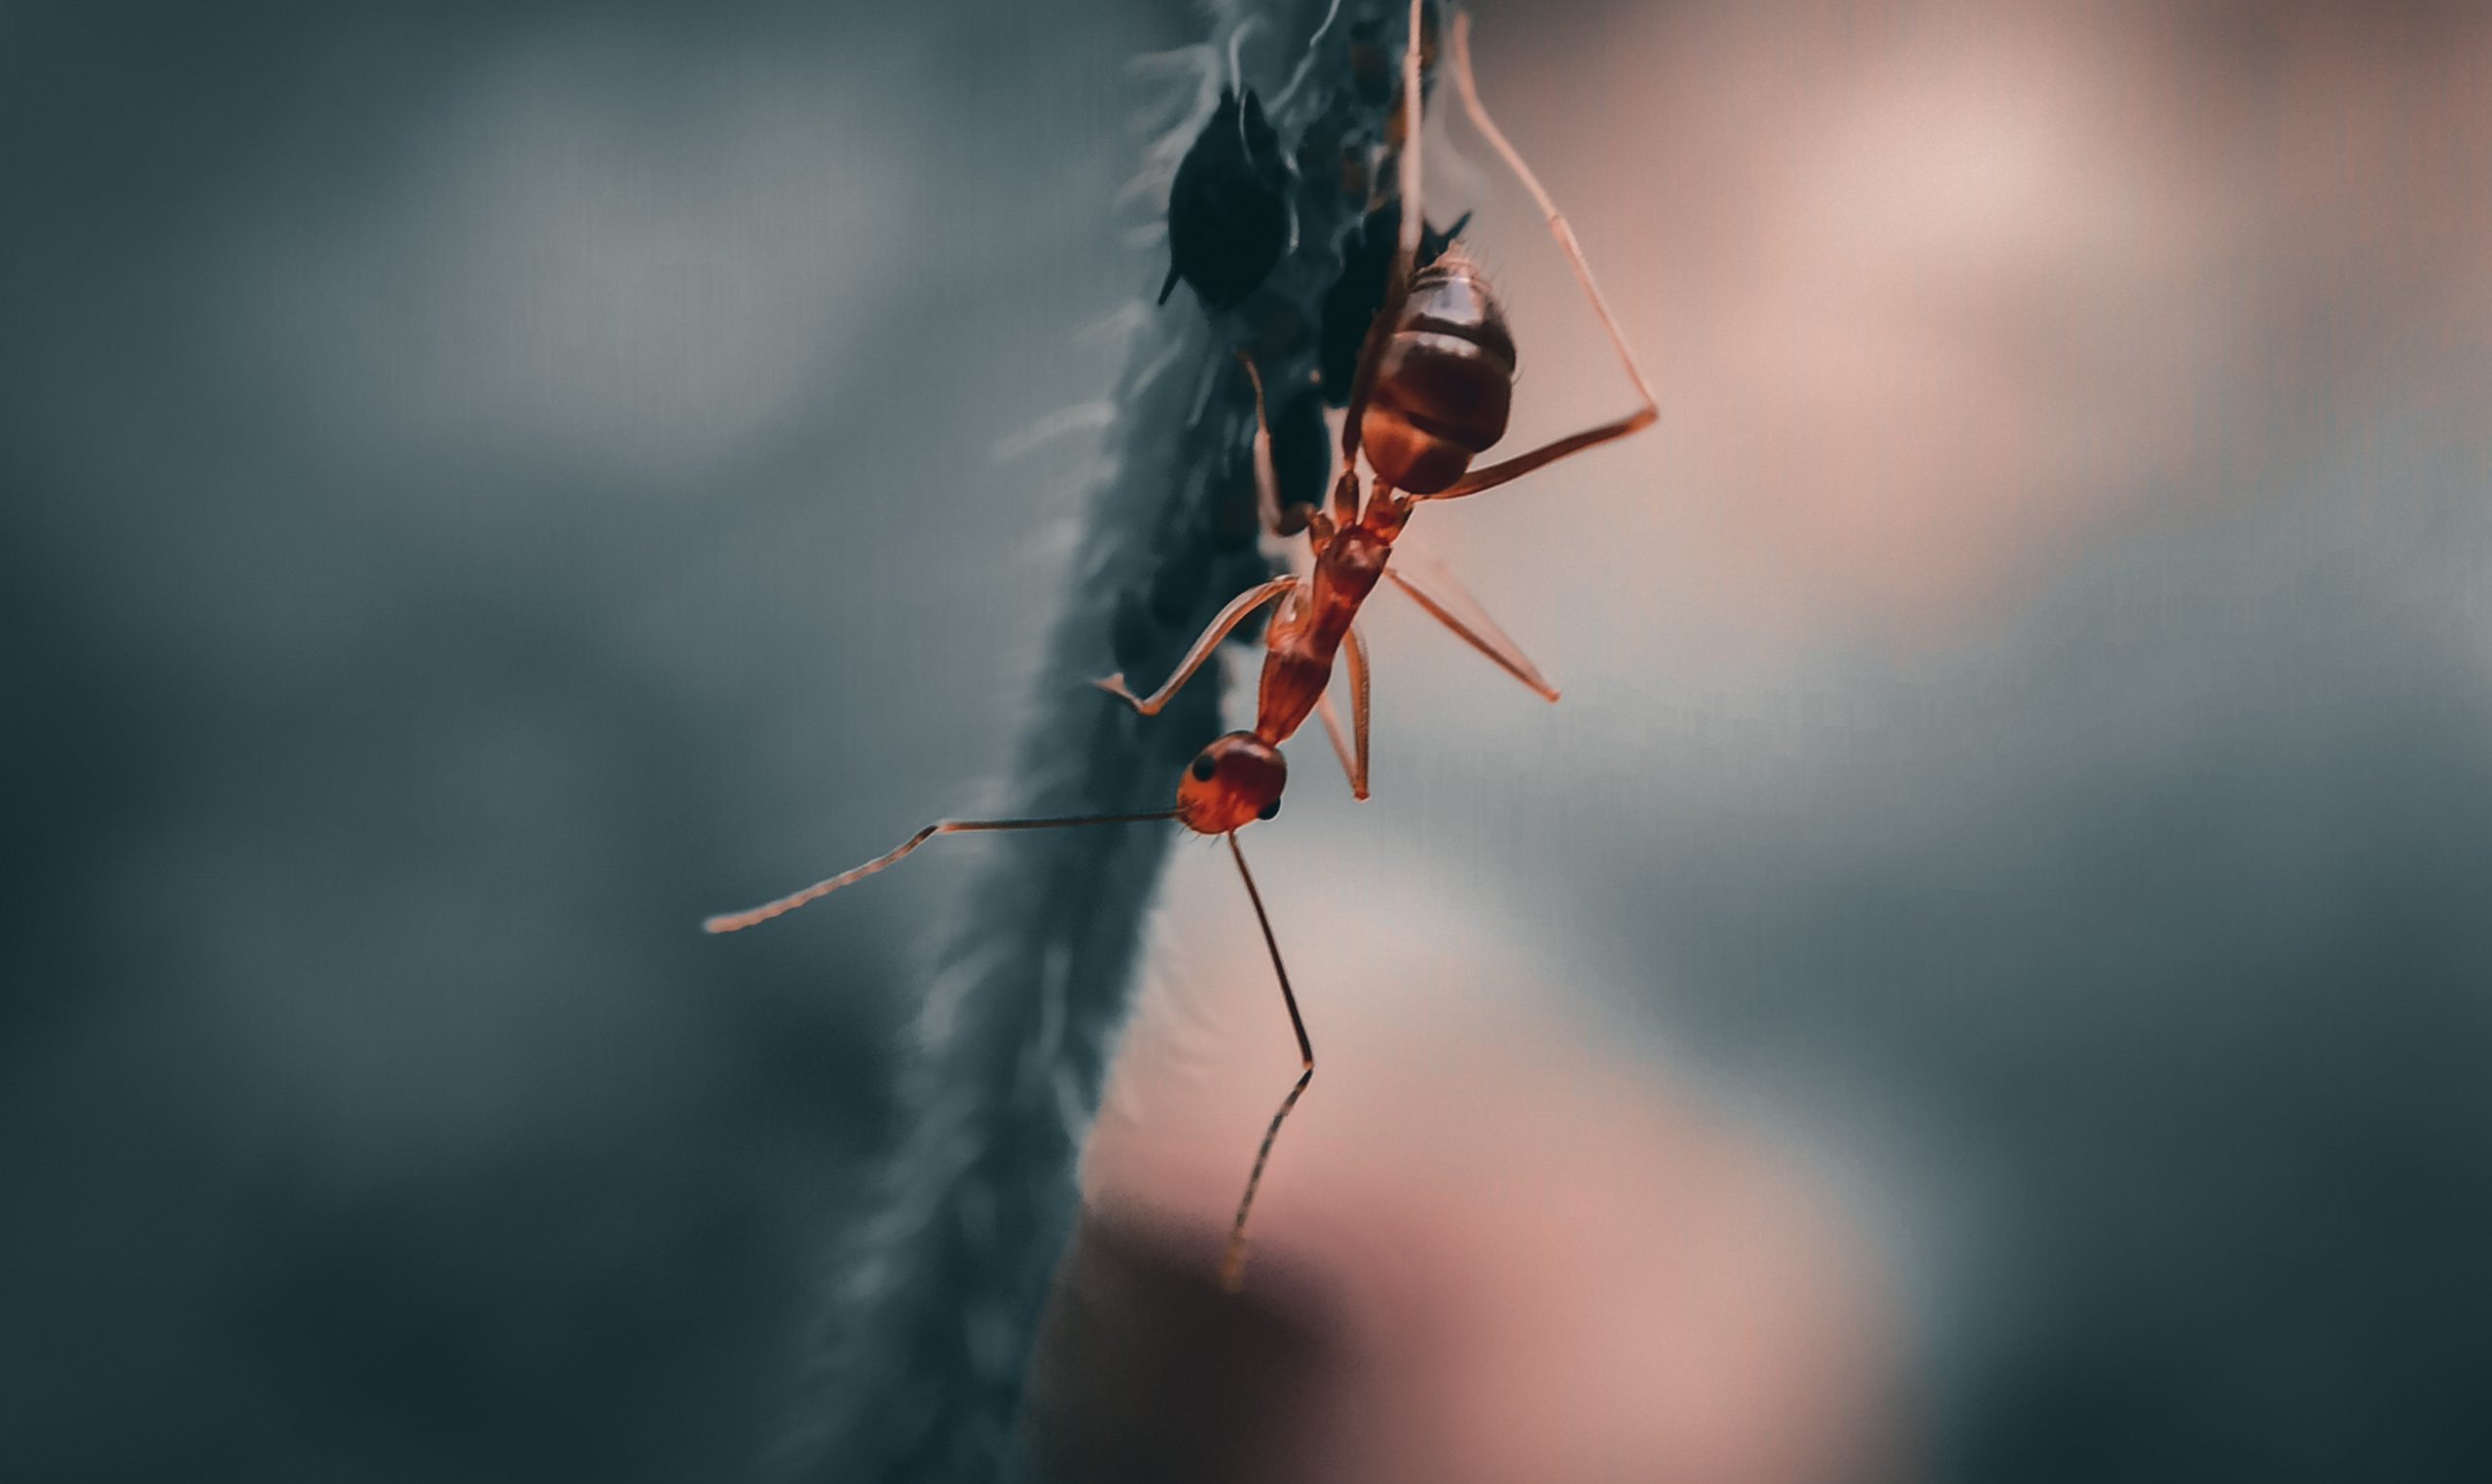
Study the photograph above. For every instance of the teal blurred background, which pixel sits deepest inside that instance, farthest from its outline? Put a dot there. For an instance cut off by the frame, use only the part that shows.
(486, 485)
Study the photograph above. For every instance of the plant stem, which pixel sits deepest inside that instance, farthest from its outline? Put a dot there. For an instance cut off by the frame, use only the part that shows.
(940, 1287)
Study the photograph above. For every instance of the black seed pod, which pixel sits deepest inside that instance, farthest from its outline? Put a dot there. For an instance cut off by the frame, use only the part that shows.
(1351, 305)
(1303, 450)
(1301, 467)
(1371, 64)
(1228, 209)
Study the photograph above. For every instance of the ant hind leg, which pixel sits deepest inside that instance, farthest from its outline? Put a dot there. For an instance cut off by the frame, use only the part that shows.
(1575, 443)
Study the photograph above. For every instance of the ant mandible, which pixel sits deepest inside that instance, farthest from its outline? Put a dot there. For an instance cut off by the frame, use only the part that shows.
(1432, 390)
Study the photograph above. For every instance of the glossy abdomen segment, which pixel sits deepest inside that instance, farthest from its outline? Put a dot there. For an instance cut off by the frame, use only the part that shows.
(1300, 647)
(1443, 384)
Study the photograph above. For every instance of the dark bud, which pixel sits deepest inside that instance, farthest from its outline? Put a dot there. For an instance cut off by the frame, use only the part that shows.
(1177, 588)
(1235, 519)
(1228, 209)
(1134, 635)
(1351, 304)
(1371, 66)
(1302, 463)
(1303, 450)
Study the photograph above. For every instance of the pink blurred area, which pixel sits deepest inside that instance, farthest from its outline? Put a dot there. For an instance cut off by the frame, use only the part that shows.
(1931, 292)
(1528, 1257)
(1938, 299)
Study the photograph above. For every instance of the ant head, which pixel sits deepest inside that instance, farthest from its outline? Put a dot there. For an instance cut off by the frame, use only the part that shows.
(1231, 784)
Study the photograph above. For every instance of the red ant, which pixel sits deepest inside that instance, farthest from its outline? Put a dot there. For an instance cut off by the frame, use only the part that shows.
(1432, 390)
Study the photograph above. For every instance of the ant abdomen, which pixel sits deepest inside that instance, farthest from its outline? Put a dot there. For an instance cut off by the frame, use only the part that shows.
(1445, 384)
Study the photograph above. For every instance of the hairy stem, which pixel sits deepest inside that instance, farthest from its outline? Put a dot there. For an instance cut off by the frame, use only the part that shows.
(940, 1287)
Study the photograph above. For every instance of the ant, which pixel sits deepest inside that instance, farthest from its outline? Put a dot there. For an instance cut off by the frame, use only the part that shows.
(1431, 391)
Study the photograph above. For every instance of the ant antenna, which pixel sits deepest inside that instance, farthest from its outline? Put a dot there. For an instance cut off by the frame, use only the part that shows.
(1232, 1264)
(736, 921)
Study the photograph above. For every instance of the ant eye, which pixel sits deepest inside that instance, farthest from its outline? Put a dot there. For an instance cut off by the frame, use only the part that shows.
(1204, 768)
(1268, 811)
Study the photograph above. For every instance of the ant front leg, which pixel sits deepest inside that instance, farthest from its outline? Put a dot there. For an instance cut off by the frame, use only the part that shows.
(1575, 443)
(1331, 720)
(1353, 758)
(1244, 604)
(1354, 659)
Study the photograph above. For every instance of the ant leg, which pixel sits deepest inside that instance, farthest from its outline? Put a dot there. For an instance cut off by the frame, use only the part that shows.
(1232, 1263)
(1448, 604)
(1353, 762)
(1643, 417)
(1231, 617)
(1354, 654)
(1267, 481)
(1405, 251)
(1331, 720)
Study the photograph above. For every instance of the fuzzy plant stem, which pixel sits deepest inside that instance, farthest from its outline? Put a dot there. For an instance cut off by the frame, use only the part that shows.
(938, 1293)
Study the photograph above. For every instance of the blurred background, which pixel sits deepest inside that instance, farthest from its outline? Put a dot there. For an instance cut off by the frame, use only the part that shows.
(1985, 977)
